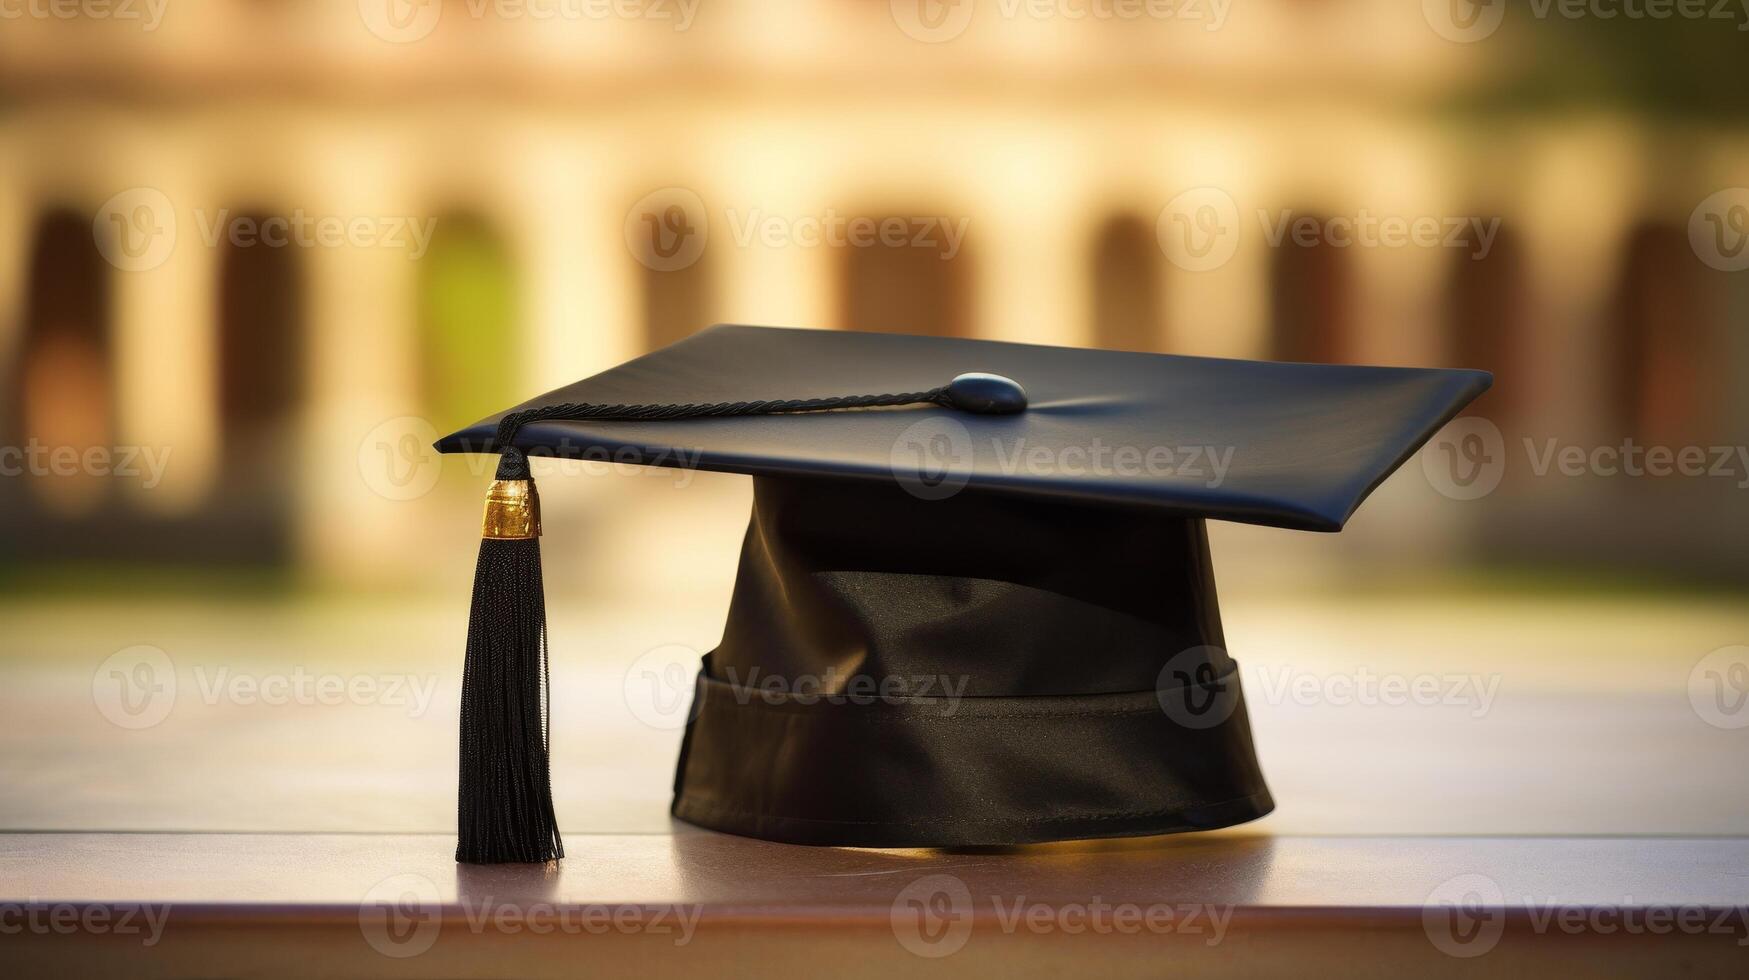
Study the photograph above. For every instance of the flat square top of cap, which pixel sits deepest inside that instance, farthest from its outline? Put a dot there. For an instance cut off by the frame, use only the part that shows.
(1288, 445)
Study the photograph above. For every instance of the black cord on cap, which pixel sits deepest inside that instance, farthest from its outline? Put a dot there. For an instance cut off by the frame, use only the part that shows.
(976, 393)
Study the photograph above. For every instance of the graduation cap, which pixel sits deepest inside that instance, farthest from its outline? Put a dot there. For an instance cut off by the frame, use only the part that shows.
(988, 560)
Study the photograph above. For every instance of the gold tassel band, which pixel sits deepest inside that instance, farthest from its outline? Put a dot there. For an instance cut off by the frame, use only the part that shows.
(512, 511)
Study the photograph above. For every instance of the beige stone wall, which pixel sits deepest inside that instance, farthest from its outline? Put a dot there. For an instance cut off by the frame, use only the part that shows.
(1034, 137)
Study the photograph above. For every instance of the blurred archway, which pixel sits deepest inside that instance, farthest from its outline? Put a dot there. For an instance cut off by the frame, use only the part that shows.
(1126, 287)
(1311, 301)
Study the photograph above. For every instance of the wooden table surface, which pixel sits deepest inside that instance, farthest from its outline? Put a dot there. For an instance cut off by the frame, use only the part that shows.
(1573, 809)
(694, 901)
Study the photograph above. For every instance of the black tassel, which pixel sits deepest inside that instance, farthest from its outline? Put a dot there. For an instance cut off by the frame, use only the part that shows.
(505, 800)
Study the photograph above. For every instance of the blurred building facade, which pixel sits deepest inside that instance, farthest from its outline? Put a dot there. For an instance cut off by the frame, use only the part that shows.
(471, 207)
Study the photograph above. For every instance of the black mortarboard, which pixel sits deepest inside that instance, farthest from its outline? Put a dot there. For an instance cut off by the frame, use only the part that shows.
(995, 587)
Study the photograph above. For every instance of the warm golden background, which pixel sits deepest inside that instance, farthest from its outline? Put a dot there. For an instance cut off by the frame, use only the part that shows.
(598, 179)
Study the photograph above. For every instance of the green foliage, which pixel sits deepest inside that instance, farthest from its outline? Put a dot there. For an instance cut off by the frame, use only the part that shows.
(468, 322)
(1673, 68)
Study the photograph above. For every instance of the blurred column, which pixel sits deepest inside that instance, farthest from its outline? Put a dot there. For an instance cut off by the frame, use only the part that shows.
(1024, 287)
(1735, 402)
(581, 298)
(165, 343)
(1729, 168)
(1578, 206)
(790, 286)
(1396, 293)
(1224, 311)
(1217, 258)
(1409, 221)
(15, 220)
(761, 175)
(1575, 194)
(581, 279)
(1736, 399)
(366, 439)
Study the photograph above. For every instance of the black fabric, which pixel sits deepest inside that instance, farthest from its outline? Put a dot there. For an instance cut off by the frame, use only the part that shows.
(1303, 444)
(974, 670)
(1034, 652)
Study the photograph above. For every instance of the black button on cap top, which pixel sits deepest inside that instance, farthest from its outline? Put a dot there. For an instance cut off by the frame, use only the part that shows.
(986, 394)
